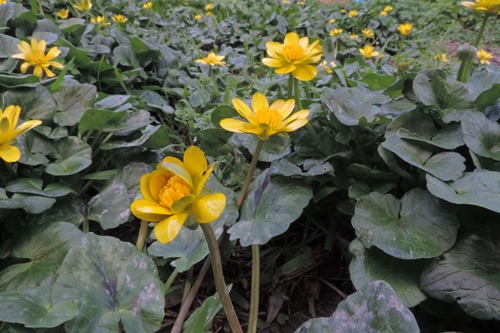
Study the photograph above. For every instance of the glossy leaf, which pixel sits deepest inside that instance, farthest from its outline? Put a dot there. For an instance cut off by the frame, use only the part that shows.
(274, 148)
(72, 154)
(36, 103)
(34, 186)
(481, 135)
(111, 207)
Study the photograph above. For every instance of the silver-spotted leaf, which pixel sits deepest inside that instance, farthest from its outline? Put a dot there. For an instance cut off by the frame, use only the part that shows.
(111, 207)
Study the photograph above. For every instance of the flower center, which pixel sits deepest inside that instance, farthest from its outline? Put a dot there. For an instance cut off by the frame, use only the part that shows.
(175, 189)
(269, 117)
(293, 51)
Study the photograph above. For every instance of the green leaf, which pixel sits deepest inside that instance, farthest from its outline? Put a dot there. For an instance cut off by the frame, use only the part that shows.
(110, 282)
(126, 56)
(201, 319)
(222, 112)
(146, 134)
(482, 82)
(402, 84)
(402, 275)
(392, 163)
(154, 100)
(468, 273)
(271, 205)
(33, 148)
(274, 148)
(98, 119)
(487, 98)
(353, 106)
(416, 125)
(111, 206)
(417, 226)
(450, 97)
(34, 186)
(373, 308)
(131, 121)
(35, 103)
(72, 101)
(397, 106)
(18, 80)
(65, 210)
(214, 141)
(72, 154)
(190, 246)
(131, 175)
(480, 188)
(30, 203)
(445, 166)
(32, 307)
(286, 168)
(45, 247)
(481, 135)
(377, 81)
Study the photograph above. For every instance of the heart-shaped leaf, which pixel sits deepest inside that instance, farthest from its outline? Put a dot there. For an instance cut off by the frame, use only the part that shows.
(110, 282)
(271, 205)
(72, 101)
(34, 186)
(481, 135)
(72, 154)
(417, 226)
(402, 275)
(274, 148)
(111, 207)
(36, 103)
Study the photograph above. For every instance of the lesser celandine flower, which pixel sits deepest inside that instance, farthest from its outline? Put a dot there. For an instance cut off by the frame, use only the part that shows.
(208, 13)
(34, 55)
(198, 17)
(212, 60)
(336, 32)
(175, 191)
(294, 56)
(332, 20)
(404, 29)
(353, 36)
(63, 13)
(301, 3)
(353, 13)
(368, 52)
(342, 11)
(265, 120)
(383, 13)
(286, 1)
(209, 7)
(8, 132)
(83, 5)
(368, 33)
(489, 6)
(148, 5)
(3, 2)
(441, 57)
(119, 18)
(328, 67)
(484, 56)
(101, 20)
(388, 8)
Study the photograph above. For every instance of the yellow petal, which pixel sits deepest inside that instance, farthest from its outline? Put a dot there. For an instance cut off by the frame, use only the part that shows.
(178, 170)
(238, 126)
(204, 179)
(209, 207)
(273, 48)
(287, 68)
(272, 62)
(172, 160)
(304, 42)
(302, 114)
(26, 127)
(305, 73)
(48, 72)
(295, 125)
(144, 186)
(148, 210)
(12, 113)
(180, 205)
(38, 71)
(53, 53)
(25, 66)
(244, 110)
(166, 230)
(259, 101)
(284, 108)
(291, 38)
(196, 163)
(156, 180)
(9, 153)
(24, 47)
(55, 64)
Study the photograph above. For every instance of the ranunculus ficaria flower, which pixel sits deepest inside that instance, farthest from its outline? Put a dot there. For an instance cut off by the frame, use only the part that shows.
(294, 56)
(63, 13)
(175, 192)
(34, 55)
(336, 32)
(101, 20)
(404, 29)
(148, 5)
(265, 120)
(212, 60)
(119, 18)
(441, 57)
(484, 56)
(489, 6)
(8, 132)
(83, 5)
(368, 52)
(368, 33)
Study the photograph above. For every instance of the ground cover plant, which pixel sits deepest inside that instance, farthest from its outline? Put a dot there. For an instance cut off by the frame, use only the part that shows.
(267, 166)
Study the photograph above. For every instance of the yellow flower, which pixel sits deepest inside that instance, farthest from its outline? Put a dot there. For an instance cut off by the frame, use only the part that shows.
(294, 56)
(286, 1)
(368, 52)
(332, 20)
(119, 18)
(34, 55)
(101, 20)
(335, 32)
(490, 6)
(352, 36)
(265, 120)
(405, 29)
(209, 7)
(342, 11)
(9, 132)
(3, 2)
(353, 13)
(327, 68)
(208, 13)
(63, 13)
(212, 60)
(383, 13)
(368, 33)
(148, 5)
(198, 17)
(388, 8)
(301, 3)
(83, 5)
(441, 57)
(173, 192)
(484, 56)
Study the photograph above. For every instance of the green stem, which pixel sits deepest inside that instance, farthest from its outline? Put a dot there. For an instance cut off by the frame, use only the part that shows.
(461, 71)
(106, 139)
(220, 285)
(11, 170)
(296, 92)
(396, 58)
(141, 238)
(290, 86)
(185, 293)
(171, 280)
(210, 72)
(480, 31)
(254, 300)
(85, 225)
(251, 170)
(336, 47)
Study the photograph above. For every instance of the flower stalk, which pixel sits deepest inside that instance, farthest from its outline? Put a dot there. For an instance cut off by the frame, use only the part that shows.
(220, 285)
(141, 238)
